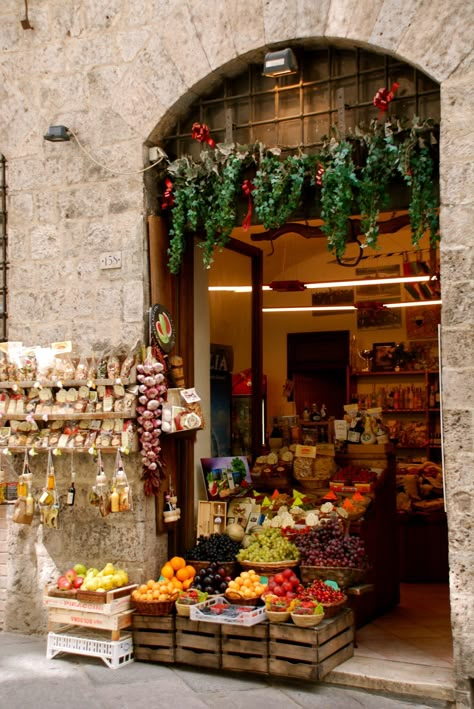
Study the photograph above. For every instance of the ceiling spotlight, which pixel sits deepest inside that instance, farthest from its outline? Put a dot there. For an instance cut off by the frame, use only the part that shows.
(280, 63)
(57, 134)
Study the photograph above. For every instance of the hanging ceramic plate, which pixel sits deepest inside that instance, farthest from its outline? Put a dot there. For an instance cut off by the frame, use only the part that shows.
(162, 328)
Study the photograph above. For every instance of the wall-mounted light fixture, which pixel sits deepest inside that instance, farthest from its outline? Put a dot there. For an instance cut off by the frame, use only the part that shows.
(61, 134)
(280, 63)
(57, 134)
(326, 284)
(347, 308)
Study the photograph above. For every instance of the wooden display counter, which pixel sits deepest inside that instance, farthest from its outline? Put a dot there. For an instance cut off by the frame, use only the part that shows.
(379, 530)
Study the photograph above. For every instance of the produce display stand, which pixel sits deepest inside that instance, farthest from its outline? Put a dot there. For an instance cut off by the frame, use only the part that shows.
(275, 649)
(94, 627)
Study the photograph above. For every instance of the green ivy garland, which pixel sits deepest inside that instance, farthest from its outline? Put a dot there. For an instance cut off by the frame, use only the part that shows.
(277, 189)
(339, 181)
(374, 180)
(206, 192)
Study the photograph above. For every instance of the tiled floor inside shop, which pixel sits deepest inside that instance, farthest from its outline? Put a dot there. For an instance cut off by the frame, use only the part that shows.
(410, 645)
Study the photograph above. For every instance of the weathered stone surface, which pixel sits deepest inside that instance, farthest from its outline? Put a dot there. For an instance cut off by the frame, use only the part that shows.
(457, 346)
(393, 20)
(311, 18)
(427, 43)
(456, 310)
(456, 182)
(352, 19)
(133, 301)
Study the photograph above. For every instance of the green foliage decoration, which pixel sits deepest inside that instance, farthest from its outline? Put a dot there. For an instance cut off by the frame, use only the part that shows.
(207, 191)
(339, 181)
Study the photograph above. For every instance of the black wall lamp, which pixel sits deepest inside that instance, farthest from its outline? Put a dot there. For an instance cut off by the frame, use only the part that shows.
(57, 134)
(280, 63)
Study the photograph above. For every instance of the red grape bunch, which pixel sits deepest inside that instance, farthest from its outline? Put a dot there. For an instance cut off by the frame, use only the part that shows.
(326, 545)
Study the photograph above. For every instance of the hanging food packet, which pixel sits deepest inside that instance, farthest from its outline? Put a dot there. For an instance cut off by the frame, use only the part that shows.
(113, 365)
(129, 361)
(102, 366)
(24, 505)
(82, 370)
(92, 369)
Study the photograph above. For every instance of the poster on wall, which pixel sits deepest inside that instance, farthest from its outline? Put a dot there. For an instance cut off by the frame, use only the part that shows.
(374, 316)
(226, 477)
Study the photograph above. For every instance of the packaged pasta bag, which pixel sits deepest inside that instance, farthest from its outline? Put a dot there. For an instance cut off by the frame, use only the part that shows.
(113, 364)
(82, 369)
(129, 360)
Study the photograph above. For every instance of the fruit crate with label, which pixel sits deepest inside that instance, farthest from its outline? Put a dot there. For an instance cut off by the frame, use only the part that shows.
(92, 624)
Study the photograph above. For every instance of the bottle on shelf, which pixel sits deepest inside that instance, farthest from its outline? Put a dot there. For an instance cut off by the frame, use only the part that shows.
(315, 415)
(306, 412)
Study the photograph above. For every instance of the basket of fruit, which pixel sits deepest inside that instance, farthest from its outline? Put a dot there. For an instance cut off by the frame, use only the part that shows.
(307, 614)
(277, 608)
(186, 599)
(246, 589)
(269, 552)
(155, 598)
(332, 600)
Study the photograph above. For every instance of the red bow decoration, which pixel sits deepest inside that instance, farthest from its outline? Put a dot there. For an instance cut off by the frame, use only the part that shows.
(247, 188)
(200, 132)
(319, 175)
(168, 198)
(383, 97)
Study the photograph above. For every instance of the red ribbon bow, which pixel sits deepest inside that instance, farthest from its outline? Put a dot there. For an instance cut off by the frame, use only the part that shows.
(319, 175)
(247, 189)
(168, 198)
(383, 97)
(200, 132)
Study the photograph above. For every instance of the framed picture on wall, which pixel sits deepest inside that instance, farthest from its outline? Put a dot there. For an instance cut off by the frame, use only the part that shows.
(383, 356)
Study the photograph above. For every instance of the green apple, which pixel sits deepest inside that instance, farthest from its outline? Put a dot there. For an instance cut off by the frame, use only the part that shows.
(92, 572)
(80, 569)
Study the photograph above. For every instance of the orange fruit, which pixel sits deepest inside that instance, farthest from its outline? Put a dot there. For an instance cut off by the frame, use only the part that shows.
(187, 584)
(177, 583)
(167, 571)
(190, 571)
(182, 574)
(177, 562)
(150, 583)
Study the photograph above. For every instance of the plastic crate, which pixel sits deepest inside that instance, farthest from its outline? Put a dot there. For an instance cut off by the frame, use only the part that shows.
(78, 641)
(231, 615)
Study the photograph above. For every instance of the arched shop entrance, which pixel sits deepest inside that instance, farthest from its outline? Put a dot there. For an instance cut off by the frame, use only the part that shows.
(334, 88)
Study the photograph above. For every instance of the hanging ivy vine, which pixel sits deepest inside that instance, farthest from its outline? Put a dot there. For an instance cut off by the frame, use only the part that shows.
(206, 192)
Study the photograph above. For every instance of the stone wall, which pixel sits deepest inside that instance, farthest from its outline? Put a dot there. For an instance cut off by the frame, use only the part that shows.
(118, 73)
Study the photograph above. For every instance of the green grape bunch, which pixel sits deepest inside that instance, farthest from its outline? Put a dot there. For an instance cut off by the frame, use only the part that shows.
(269, 545)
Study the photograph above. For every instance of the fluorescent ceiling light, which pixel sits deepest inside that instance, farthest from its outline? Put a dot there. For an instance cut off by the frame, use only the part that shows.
(342, 308)
(334, 284)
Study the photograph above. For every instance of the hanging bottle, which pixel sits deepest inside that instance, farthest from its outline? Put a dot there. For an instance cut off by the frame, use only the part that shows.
(30, 502)
(71, 493)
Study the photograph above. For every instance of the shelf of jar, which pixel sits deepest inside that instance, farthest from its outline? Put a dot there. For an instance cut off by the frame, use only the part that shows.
(392, 373)
(89, 416)
(60, 384)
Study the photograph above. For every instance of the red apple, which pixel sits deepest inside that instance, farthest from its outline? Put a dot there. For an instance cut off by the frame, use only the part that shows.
(288, 573)
(78, 581)
(287, 586)
(279, 579)
(278, 591)
(71, 575)
(64, 584)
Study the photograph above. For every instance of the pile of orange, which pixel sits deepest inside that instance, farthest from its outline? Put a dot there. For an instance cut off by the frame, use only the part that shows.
(177, 572)
(247, 585)
(155, 591)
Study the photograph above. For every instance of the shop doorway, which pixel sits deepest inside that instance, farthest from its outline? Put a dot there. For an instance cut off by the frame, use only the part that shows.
(257, 110)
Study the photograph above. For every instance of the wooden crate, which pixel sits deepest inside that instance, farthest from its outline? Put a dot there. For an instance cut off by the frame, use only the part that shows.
(245, 649)
(310, 653)
(154, 638)
(198, 643)
(113, 623)
(107, 597)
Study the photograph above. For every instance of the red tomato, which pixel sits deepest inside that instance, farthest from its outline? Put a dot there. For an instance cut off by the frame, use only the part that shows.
(278, 591)
(288, 573)
(287, 586)
(279, 579)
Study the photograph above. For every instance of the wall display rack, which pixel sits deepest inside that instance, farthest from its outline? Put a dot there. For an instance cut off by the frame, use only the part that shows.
(410, 403)
(70, 416)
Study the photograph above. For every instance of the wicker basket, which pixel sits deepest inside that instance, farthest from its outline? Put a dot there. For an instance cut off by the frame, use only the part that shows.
(333, 609)
(278, 616)
(183, 609)
(344, 576)
(154, 607)
(307, 621)
(269, 568)
(311, 484)
(237, 600)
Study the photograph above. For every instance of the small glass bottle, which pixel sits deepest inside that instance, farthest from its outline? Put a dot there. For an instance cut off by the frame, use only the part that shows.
(71, 493)
(30, 502)
(51, 480)
(114, 501)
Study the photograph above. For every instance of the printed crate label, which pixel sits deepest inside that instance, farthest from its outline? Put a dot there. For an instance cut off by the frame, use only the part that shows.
(91, 620)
